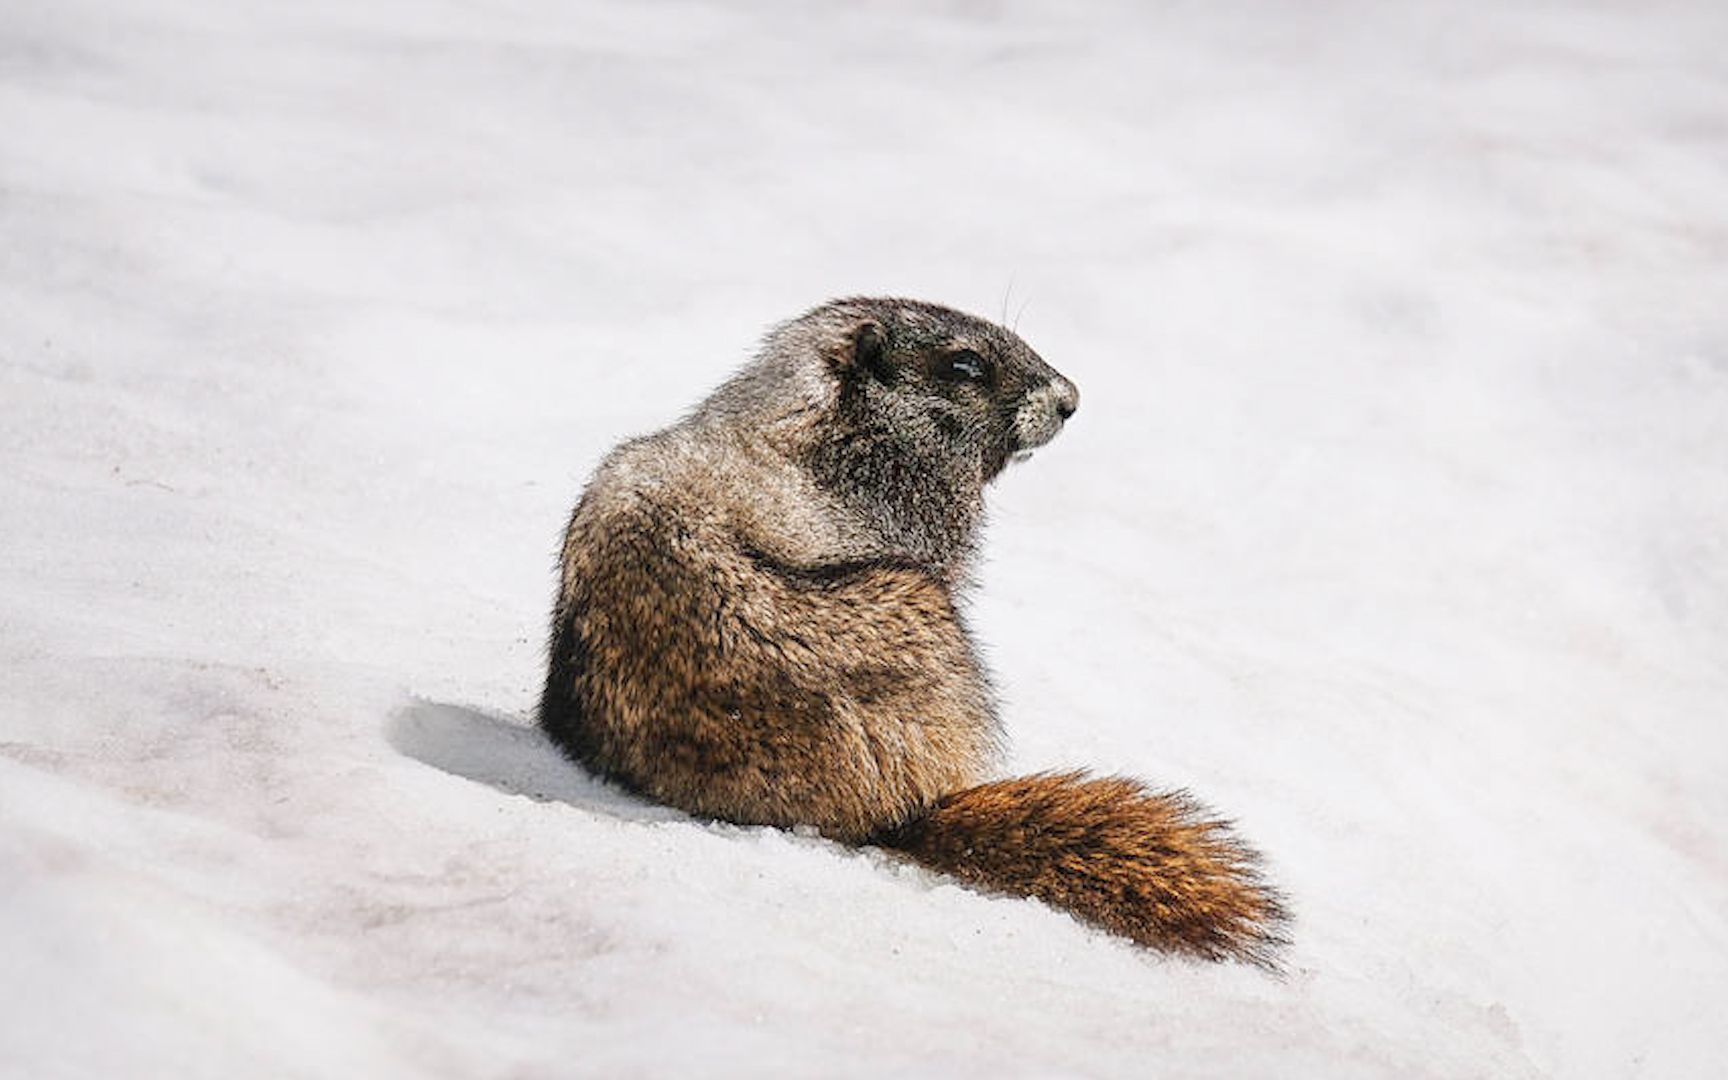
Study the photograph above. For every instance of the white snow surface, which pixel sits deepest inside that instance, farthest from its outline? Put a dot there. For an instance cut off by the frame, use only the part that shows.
(1393, 523)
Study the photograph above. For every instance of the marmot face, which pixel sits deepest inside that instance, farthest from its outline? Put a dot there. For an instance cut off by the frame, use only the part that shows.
(937, 376)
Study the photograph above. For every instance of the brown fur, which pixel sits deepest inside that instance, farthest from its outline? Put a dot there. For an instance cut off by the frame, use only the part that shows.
(722, 682)
(1153, 867)
(757, 621)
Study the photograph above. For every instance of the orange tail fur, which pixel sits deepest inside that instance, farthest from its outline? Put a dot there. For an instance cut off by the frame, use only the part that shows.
(1153, 867)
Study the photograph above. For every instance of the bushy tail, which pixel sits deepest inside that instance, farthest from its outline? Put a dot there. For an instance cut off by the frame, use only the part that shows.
(1157, 868)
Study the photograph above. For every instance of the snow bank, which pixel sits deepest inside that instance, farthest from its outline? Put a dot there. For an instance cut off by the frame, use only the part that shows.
(1392, 523)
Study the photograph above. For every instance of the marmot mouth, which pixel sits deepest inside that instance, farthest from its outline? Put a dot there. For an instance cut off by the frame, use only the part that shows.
(1020, 455)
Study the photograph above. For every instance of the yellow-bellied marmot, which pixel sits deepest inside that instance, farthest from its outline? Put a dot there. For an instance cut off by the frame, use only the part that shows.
(757, 622)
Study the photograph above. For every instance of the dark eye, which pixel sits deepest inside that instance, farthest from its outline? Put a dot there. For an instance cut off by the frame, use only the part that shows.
(964, 366)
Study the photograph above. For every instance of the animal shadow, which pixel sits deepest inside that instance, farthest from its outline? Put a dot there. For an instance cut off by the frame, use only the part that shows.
(509, 755)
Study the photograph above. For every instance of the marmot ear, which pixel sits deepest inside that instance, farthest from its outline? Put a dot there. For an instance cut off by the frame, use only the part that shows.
(869, 346)
(867, 352)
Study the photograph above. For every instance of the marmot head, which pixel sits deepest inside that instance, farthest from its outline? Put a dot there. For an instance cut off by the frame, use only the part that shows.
(945, 382)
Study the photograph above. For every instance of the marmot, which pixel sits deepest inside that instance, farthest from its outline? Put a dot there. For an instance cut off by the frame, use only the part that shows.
(758, 622)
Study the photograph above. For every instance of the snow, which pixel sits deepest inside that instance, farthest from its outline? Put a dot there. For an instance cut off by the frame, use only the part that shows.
(1394, 523)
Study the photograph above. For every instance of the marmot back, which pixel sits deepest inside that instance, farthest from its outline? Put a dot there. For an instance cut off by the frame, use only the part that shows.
(757, 622)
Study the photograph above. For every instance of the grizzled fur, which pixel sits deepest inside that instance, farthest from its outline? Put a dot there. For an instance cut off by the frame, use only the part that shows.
(757, 622)
(1156, 867)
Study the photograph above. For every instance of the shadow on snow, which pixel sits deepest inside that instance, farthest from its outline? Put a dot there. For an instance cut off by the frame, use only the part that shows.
(509, 755)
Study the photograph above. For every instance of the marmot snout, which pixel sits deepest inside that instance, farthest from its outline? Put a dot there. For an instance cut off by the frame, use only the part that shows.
(1043, 413)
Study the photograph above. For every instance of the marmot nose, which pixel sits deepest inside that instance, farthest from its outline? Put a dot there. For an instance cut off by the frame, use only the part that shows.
(1067, 396)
